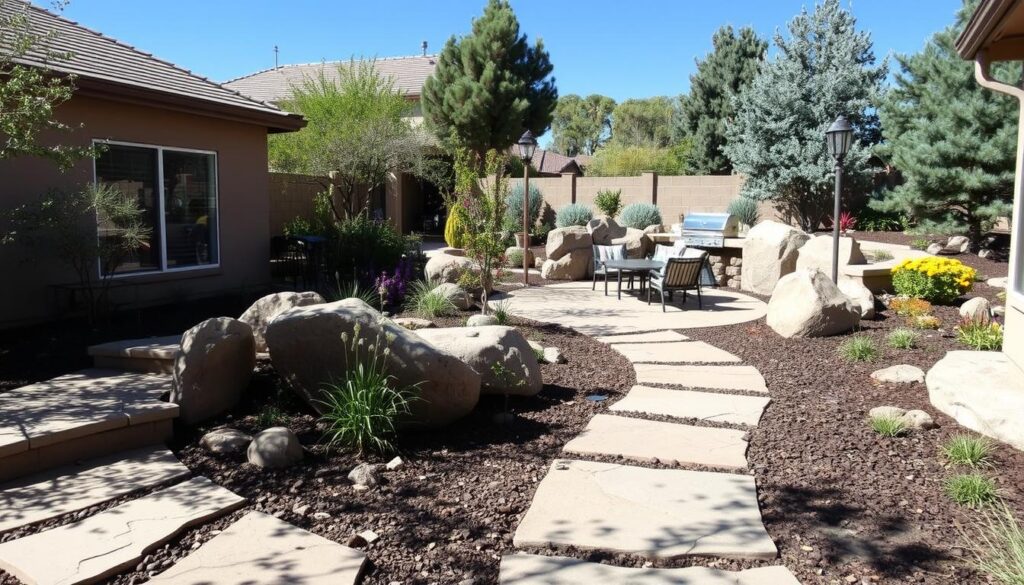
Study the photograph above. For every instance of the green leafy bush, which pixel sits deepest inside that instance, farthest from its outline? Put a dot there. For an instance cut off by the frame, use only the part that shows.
(745, 209)
(455, 227)
(920, 243)
(359, 248)
(514, 258)
(573, 214)
(969, 450)
(426, 301)
(872, 220)
(934, 279)
(514, 206)
(902, 338)
(609, 202)
(298, 226)
(640, 215)
(980, 334)
(971, 489)
(888, 426)
(859, 348)
(998, 545)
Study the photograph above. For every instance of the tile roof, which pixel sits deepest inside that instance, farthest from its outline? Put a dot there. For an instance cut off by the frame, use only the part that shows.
(98, 60)
(274, 85)
(550, 162)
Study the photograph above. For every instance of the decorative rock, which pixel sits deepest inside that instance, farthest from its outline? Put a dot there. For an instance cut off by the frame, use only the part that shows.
(448, 268)
(214, 367)
(999, 311)
(537, 348)
(394, 464)
(369, 536)
(807, 303)
(861, 297)
(481, 321)
(983, 391)
(935, 249)
(999, 282)
(307, 350)
(365, 474)
(266, 308)
(574, 265)
(553, 355)
(918, 420)
(770, 252)
(976, 309)
(817, 253)
(561, 241)
(986, 253)
(899, 374)
(413, 323)
(529, 255)
(605, 231)
(483, 347)
(886, 412)
(225, 441)
(274, 448)
(458, 295)
(958, 245)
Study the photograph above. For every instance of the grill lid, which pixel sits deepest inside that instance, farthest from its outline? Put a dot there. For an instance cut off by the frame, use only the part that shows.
(723, 223)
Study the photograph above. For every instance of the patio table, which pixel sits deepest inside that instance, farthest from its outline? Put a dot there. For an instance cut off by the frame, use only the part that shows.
(638, 267)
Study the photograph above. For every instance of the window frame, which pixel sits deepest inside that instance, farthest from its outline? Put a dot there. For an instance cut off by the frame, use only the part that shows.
(162, 204)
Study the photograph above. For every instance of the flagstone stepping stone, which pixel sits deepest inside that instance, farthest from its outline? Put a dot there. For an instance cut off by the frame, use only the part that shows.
(745, 378)
(150, 354)
(725, 408)
(115, 539)
(652, 337)
(680, 352)
(526, 569)
(75, 487)
(645, 440)
(262, 549)
(656, 513)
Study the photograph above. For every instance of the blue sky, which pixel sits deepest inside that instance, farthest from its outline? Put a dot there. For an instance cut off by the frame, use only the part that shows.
(620, 48)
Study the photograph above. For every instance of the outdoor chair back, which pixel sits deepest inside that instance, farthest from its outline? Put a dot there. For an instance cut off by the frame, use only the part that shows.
(676, 250)
(605, 253)
(682, 272)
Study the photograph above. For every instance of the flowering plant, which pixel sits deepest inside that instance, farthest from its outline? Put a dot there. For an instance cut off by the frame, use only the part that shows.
(937, 280)
(392, 287)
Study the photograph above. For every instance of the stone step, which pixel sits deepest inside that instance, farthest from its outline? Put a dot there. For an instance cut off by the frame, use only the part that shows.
(656, 513)
(86, 414)
(745, 378)
(526, 569)
(652, 337)
(645, 440)
(75, 487)
(679, 352)
(710, 406)
(149, 354)
(259, 548)
(116, 539)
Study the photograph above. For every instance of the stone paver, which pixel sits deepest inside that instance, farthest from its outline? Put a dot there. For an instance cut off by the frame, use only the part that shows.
(262, 549)
(899, 374)
(644, 440)
(115, 539)
(673, 353)
(164, 348)
(75, 487)
(651, 337)
(525, 569)
(710, 406)
(745, 378)
(657, 513)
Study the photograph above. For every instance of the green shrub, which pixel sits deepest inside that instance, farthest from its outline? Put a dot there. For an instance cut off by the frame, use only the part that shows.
(359, 248)
(903, 338)
(298, 226)
(998, 546)
(514, 258)
(934, 279)
(871, 220)
(640, 215)
(745, 209)
(362, 411)
(920, 243)
(455, 227)
(969, 450)
(859, 348)
(352, 290)
(971, 489)
(514, 206)
(573, 214)
(609, 202)
(881, 255)
(980, 334)
(500, 311)
(426, 301)
(888, 426)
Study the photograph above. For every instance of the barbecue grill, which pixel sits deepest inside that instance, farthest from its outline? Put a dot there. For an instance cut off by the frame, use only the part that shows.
(709, 230)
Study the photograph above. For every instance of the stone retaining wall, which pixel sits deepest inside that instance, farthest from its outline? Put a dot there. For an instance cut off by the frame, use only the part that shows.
(727, 266)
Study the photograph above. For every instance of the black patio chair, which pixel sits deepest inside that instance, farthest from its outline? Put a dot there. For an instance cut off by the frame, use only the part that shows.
(677, 274)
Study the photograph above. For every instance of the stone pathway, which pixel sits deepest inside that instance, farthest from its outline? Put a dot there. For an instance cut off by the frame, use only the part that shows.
(523, 569)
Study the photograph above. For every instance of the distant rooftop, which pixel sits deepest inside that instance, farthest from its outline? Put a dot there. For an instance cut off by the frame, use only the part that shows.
(275, 85)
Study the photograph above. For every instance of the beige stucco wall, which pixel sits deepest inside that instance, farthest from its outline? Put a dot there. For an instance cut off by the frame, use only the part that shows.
(243, 205)
(291, 196)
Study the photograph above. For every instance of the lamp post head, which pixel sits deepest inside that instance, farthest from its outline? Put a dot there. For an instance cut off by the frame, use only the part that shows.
(527, 144)
(839, 138)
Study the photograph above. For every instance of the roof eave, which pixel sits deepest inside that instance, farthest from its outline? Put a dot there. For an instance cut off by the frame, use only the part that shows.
(984, 21)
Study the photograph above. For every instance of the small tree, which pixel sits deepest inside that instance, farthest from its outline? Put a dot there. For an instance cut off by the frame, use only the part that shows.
(616, 160)
(643, 122)
(482, 203)
(581, 125)
(823, 69)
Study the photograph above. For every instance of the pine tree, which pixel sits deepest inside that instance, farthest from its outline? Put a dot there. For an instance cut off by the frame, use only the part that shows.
(953, 140)
(580, 125)
(490, 86)
(704, 112)
(823, 69)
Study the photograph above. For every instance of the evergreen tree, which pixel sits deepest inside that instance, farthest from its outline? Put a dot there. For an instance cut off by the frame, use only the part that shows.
(490, 86)
(643, 122)
(823, 69)
(704, 112)
(953, 140)
(581, 125)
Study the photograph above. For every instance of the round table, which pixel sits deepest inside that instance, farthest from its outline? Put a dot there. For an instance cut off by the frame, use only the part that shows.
(634, 266)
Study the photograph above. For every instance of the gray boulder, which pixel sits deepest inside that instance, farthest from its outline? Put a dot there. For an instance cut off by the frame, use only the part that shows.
(770, 252)
(274, 448)
(807, 303)
(860, 295)
(266, 308)
(443, 267)
(517, 373)
(481, 321)
(456, 294)
(817, 254)
(224, 441)
(561, 241)
(976, 309)
(213, 368)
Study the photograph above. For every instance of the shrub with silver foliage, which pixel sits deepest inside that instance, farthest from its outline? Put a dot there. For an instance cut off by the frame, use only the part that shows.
(573, 214)
(640, 215)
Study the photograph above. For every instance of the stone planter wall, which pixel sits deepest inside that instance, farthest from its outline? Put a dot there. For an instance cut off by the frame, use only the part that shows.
(727, 266)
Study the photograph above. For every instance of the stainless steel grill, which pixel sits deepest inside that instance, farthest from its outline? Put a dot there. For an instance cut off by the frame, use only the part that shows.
(709, 230)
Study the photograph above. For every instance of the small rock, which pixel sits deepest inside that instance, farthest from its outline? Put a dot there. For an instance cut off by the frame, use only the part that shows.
(275, 447)
(301, 510)
(365, 474)
(536, 347)
(394, 464)
(414, 323)
(886, 412)
(899, 374)
(986, 253)
(369, 536)
(481, 321)
(225, 441)
(356, 541)
(976, 309)
(999, 311)
(934, 249)
(918, 419)
(553, 355)
(321, 516)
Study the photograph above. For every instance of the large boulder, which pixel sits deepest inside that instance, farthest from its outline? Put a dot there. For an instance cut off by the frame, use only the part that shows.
(576, 265)
(605, 229)
(266, 308)
(456, 294)
(637, 243)
(983, 391)
(770, 252)
(862, 298)
(483, 347)
(807, 303)
(817, 254)
(307, 350)
(213, 368)
(448, 267)
(562, 241)
(958, 245)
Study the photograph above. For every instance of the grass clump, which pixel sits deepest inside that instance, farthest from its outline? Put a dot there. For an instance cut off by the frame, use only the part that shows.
(500, 311)
(903, 338)
(514, 258)
(881, 255)
(998, 547)
(980, 334)
(920, 243)
(971, 489)
(426, 301)
(888, 426)
(969, 450)
(271, 416)
(859, 348)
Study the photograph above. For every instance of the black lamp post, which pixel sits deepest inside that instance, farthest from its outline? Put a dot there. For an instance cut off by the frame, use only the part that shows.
(838, 137)
(527, 144)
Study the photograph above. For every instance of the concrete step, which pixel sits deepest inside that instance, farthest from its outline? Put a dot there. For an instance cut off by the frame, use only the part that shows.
(710, 406)
(262, 549)
(149, 354)
(680, 352)
(525, 569)
(652, 337)
(86, 414)
(116, 539)
(39, 497)
(745, 378)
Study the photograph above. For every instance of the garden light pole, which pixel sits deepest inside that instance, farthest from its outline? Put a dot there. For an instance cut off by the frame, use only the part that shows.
(838, 138)
(527, 144)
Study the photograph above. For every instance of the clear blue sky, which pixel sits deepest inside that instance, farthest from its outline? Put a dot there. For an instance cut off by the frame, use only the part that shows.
(620, 48)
